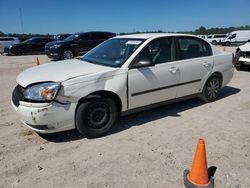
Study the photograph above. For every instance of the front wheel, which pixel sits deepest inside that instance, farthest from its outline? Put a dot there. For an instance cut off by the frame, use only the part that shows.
(96, 116)
(67, 54)
(17, 51)
(211, 89)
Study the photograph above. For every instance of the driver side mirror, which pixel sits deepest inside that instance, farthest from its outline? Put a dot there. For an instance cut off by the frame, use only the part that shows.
(143, 63)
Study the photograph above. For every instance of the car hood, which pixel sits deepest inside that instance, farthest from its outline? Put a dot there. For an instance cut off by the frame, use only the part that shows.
(59, 71)
(245, 47)
(51, 43)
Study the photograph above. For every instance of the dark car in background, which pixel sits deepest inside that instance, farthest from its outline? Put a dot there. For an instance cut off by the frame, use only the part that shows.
(34, 45)
(76, 44)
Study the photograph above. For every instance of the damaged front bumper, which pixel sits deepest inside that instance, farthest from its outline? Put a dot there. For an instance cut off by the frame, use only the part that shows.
(46, 117)
(244, 60)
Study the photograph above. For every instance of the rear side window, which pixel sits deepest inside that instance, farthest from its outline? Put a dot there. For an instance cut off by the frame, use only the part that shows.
(9, 39)
(99, 36)
(84, 37)
(192, 48)
(6, 39)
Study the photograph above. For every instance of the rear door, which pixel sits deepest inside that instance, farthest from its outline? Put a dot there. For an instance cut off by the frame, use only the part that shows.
(195, 64)
(152, 84)
(33, 46)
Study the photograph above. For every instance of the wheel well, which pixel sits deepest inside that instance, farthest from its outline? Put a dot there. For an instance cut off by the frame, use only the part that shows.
(103, 93)
(237, 50)
(219, 75)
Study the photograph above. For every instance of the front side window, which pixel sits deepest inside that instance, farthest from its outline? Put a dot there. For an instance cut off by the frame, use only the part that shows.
(233, 36)
(9, 39)
(192, 48)
(159, 51)
(113, 52)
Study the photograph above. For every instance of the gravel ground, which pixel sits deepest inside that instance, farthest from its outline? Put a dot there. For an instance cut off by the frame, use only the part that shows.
(147, 149)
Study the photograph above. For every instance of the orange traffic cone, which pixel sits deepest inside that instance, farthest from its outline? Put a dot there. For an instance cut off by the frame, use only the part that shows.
(37, 62)
(198, 176)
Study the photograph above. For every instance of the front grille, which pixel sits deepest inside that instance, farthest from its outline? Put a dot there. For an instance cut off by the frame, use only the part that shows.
(17, 95)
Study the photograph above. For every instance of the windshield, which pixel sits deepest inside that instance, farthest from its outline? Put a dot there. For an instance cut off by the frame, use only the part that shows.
(28, 41)
(113, 52)
(72, 37)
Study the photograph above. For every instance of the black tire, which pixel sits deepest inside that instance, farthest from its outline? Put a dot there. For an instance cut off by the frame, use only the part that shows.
(239, 66)
(95, 116)
(211, 89)
(214, 42)
(227, 43)
(67, 54)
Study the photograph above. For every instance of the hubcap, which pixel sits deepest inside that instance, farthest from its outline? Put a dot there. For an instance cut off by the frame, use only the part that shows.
(213, 88)
(68, 54)
(98, 115)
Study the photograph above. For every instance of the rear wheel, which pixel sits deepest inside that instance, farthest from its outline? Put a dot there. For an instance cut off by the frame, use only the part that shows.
(67, 54)
(211, 89)
(96, 116)
(214, 42)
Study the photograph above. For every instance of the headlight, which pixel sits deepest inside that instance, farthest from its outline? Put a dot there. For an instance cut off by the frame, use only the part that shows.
(57, 45)
(42, 92)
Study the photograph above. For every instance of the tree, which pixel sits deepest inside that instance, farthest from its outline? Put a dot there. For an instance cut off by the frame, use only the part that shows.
(201, 31)
(1, 34)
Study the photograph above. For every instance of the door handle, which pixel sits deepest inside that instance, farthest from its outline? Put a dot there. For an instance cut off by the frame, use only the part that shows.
(173, 69)
(206, 64)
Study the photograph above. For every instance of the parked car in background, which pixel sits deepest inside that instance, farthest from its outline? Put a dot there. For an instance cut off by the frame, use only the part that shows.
(61, 36)
(215, 38)
(236, 37)
(122, 75)
(34, 45)
(76, 44)
(7, 41)
(243, 56)
(202, 36)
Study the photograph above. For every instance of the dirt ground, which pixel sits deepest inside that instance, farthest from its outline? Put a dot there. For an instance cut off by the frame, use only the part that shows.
(147, 149)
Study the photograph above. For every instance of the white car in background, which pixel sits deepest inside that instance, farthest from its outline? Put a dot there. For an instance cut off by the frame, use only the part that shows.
(202, 36)
(122, 75)
(243, 56)
(215, 38)
(237, 38)
(7, 41)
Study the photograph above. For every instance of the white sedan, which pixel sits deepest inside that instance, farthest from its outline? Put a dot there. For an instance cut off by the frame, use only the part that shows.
(123, 75)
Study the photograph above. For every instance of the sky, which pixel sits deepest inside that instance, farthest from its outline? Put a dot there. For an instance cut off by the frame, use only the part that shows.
(70, 16)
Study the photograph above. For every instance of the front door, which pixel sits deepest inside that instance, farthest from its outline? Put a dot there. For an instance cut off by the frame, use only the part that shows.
(156, 83)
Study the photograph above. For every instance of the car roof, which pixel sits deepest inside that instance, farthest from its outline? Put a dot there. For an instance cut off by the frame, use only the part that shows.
(79, 33)
(151, 35)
